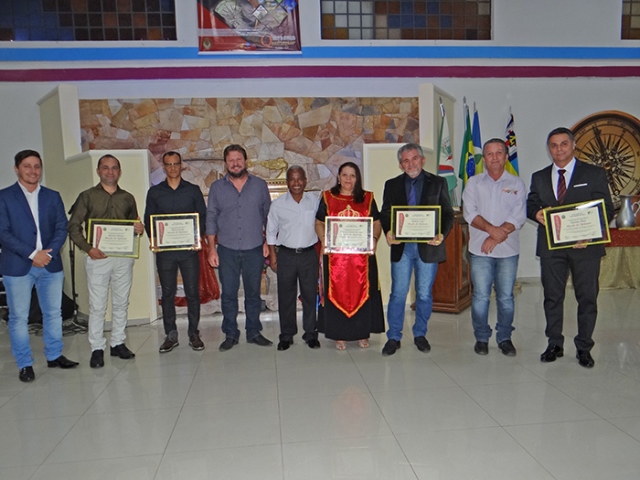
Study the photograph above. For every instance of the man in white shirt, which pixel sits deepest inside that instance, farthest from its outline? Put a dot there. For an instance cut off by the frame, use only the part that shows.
(33, 229)
(292, 239)
(495, 208)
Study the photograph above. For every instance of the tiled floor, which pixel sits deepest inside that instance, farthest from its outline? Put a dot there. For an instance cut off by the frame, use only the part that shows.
(256, 413)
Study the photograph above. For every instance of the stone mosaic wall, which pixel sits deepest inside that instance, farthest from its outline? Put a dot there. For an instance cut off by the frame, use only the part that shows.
(318, 133)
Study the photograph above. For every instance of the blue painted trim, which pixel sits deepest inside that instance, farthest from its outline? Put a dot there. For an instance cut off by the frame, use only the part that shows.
(57, 54)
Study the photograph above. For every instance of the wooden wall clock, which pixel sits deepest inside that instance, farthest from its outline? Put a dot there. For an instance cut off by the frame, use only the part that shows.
(611, 140)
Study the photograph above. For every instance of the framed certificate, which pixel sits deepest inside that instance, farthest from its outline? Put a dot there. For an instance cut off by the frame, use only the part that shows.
(567, 225)
(419, 223)
(348, 235)
(115, 238)
(176, 231)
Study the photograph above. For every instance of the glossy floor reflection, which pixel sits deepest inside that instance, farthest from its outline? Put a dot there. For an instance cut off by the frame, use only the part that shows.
(256, 413)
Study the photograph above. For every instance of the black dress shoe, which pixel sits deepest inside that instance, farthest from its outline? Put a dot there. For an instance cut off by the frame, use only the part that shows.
(422, 344)
(313, 343)
(62, 362)
(26, 374)
(390, 347)
(551, 353)
(481, 348)
(285, 344)
(97, 359)
(585, 359)
(260, 340)
(507, 348)
(227, 344)
(122, 351)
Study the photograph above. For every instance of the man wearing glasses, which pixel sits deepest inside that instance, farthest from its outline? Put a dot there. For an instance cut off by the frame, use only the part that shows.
(176, 195)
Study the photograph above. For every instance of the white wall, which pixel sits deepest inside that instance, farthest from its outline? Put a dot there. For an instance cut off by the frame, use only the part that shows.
(538, 105)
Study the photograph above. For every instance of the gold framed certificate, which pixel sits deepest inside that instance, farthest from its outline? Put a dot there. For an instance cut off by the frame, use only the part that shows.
(567, 225)
(114, 238)
(419, 223)
(175, 231)
(348, 235)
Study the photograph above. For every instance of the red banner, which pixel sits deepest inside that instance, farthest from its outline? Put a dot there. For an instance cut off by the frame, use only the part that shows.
(248, 25)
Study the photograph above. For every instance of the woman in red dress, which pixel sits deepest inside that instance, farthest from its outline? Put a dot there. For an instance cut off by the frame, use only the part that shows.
(352, 305)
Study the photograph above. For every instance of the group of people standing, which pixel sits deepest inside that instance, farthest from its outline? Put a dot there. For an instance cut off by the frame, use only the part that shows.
(242, 227)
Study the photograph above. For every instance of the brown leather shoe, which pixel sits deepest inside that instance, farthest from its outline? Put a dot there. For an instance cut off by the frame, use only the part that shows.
(168, 345)
(196, 343)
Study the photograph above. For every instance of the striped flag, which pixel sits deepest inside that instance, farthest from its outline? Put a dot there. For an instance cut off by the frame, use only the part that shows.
(510, 140)
(467, 160)
(445, 157)
(477, 141)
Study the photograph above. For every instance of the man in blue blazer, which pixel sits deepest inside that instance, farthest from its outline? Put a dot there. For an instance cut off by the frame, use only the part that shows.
(414, 187)
(568, 181)
(33, 229)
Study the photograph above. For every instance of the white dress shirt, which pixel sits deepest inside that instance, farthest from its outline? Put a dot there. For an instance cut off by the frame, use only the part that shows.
(32, 200)
(292, 224)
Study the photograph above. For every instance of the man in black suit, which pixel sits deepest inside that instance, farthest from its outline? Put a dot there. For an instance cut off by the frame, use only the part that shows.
(414, 187)
(568, 181)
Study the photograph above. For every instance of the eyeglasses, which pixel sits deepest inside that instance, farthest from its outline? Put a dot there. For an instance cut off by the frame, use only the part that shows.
(172, 164)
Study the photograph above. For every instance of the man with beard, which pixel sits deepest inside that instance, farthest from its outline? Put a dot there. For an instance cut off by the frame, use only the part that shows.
(415, 186)
(236, 220)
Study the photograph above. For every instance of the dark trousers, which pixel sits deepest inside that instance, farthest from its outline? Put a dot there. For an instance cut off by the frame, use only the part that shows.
(168, 264)
(297, 269)
(234, 264)
(584, 273)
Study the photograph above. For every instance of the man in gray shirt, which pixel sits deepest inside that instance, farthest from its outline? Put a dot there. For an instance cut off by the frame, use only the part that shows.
(236, 220)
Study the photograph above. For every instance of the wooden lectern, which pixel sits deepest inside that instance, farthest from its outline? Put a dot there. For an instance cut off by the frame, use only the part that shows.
(452, 288)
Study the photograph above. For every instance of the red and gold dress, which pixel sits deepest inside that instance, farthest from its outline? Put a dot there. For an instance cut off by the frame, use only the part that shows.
(352, 306)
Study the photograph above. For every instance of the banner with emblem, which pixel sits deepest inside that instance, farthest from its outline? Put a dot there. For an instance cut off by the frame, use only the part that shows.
(248, 26)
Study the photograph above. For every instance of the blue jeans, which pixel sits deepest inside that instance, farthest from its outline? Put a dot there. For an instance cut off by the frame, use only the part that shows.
(233, 265)
(501, 273)
(425, 274)
(49, 288)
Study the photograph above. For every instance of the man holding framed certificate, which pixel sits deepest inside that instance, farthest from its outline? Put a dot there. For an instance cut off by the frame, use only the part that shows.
(110, 253)
(425, 248)
(174, 217)
(494, 207)
(567, 182)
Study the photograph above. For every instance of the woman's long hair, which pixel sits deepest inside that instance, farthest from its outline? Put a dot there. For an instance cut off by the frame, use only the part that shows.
(358, 191)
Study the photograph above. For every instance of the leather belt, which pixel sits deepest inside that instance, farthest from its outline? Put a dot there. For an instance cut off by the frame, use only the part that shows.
(297, 250)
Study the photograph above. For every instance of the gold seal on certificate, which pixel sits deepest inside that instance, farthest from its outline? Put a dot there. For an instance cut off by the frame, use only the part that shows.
(348, 235)
(176, 231)
(567, 225)
(114, 238)
(419, 223)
